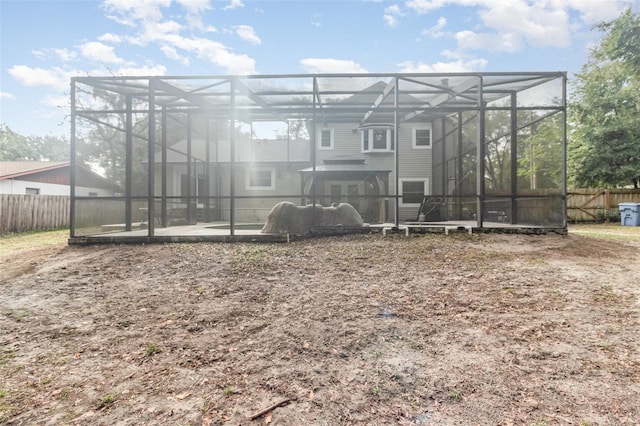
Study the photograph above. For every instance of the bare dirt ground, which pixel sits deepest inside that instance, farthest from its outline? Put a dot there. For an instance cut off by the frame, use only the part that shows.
(366, 329)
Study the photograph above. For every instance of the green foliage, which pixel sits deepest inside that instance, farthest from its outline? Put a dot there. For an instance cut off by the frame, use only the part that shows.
(540, 155)
(605, 110)
(16, 147)
(152, 349)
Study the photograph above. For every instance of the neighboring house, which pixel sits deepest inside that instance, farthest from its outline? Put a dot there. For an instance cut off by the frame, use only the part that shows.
(51, 178)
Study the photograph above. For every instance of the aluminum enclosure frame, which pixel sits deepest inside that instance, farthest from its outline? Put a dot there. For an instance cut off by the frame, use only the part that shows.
(144, 114)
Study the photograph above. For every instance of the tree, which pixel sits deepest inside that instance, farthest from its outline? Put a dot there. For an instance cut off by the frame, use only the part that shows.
(605, 110)
(540, 153)
(16, 147)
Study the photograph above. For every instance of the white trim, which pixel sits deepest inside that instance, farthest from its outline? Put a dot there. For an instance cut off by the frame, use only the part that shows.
(425, 181)
(371, 149)
(330, 140)
(413, 136)
(247, 182)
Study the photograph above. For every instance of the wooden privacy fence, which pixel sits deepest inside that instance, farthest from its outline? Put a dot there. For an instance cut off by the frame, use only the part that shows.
(588, 205)
(24, 213)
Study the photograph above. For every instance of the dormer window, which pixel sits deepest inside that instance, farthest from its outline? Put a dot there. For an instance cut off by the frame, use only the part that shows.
(377, 139)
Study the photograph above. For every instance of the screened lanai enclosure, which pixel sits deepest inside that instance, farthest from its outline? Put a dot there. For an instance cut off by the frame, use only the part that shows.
(207, 158)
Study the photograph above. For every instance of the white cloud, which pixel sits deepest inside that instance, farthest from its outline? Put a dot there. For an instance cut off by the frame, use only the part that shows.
(110, 38)
(538, 25)
(317, 20)
(55, 101)
(592, 11)
(436, 30)
(6, 95)
(391, 15)
(425, 6)
(508, 42)
(195, 9)
(55, 77)
(145, 70)
(154, 31)
(195, 6)
(63, 54)
(512, 25)
(147, 17)
(233, 5)
(128, 11)
(246, 33)
(99, 52)
(459, 65)
(173, 54)
(214, 52)
(328, 65)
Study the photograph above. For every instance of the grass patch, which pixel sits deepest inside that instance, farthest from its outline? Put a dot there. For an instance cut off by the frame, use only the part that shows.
(152, 349)
(606, 231)
(106, 401)
(11, 243)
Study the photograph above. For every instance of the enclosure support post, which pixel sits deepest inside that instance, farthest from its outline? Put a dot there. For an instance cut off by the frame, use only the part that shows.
(190, 174)
(232, 159)
(163, 206)
(460, 170)
(564, 150)
(445, 168)
(72, 158)
(151, 159)
(396, 155)
(207, 173)
(314, 182)
(128, 142)
(480, 187)
(514, 159)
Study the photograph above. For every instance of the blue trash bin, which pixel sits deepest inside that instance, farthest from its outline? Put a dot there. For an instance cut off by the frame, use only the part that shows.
(629, 214)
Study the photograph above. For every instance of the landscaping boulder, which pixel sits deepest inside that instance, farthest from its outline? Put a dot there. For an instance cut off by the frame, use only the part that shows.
(287, 218)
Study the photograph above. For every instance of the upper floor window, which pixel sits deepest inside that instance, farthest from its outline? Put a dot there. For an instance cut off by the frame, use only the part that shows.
(422, 137)
(325, 138)
(260, 179)
(379, 139)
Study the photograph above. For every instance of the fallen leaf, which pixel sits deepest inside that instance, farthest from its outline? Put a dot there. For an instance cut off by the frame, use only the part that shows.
(182, 395)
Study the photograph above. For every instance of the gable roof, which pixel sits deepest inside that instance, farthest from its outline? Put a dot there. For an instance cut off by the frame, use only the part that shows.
(14, 169)
(57, 172)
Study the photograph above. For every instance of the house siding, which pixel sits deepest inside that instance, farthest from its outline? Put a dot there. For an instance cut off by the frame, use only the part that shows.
(273, 154)
(414, 163)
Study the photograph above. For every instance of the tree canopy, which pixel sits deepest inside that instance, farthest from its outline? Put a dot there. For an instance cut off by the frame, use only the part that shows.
(604, 149)
(17, 147)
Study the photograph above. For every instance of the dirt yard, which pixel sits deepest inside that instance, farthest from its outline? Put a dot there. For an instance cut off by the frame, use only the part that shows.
(366, 329)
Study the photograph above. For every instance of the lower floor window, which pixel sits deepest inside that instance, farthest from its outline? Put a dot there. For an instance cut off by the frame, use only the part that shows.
(260, 179)
(412, 191)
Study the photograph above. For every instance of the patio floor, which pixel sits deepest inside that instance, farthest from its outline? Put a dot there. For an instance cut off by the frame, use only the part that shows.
(220, 232)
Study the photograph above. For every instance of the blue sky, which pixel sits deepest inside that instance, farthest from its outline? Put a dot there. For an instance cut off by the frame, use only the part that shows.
(45, 43)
